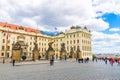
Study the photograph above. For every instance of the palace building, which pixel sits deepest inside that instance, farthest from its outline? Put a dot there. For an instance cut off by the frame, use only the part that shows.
(74, 37)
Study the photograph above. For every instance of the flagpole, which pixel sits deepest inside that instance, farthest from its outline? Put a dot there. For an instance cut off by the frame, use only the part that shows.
(6, 44)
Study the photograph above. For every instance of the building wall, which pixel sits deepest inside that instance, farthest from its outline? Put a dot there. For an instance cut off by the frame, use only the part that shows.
(72, 38)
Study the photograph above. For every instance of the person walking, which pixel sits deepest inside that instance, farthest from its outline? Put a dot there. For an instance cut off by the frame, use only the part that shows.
(111, 61)
(3, 60)
(13, 62)
(118, 61)
(105, 60)
(51, 60)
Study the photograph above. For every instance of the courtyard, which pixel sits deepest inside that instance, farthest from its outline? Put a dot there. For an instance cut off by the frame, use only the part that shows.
(61, 70)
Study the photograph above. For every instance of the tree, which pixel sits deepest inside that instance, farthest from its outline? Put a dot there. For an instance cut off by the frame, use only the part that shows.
(93, 56)
(23, 58)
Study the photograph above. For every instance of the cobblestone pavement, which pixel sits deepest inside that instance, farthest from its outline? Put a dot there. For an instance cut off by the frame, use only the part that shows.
(61, 70)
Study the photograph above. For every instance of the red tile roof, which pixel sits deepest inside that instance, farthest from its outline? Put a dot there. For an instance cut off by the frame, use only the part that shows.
(15, 27)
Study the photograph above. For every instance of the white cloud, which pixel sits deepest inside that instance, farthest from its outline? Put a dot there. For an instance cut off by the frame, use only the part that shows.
(5, 16)
(106, 6)
(95, 24)
(114, 29)
(29, 22)
(105, 43)
(52, 13)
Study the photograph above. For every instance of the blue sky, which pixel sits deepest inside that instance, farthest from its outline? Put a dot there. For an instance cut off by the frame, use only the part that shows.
(100, 16)
(113, 20)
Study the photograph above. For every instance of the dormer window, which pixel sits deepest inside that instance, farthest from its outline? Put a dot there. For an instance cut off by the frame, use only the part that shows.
(21, 28)
(72, 27)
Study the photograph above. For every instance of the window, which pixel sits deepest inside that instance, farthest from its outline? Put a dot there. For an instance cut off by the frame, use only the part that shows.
(8, 41)
(30, 48)
(2, 54)
(7, 55)
(74, 41)
(68, 48)
(67, 36)
(74, 35)
(3, 40)
(74, 48)
(77, 41)
(8, 47)
(4, 34)
(70, 42)
(25, 54)
(67, 42)
(3, 47)
(30, 43)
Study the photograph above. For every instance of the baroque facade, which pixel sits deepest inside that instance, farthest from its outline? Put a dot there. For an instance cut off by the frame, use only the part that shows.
(74, 37)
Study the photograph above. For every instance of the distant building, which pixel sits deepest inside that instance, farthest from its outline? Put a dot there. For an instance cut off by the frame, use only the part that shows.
(108, 55)
(75, 36)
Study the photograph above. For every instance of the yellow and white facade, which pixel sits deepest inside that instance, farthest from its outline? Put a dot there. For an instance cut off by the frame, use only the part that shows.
(75, 36)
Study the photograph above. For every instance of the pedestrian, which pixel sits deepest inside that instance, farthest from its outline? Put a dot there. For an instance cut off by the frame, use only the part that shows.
(93, 59)
(13, 62)
(51, 60)
(3, 60)
(106, 60)
(65, 57)
(79, 60)
(111, 61)
(118, 61)
(96, 59)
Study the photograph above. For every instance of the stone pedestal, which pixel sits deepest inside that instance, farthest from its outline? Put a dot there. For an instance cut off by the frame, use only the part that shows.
(62, 55)
(35, 55)
(16, 55)
(79, 53)
(50, 53)
(16, 52)
(73, 55)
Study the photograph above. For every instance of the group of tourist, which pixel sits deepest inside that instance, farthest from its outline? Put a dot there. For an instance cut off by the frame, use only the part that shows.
(112, 60)
(83, 60)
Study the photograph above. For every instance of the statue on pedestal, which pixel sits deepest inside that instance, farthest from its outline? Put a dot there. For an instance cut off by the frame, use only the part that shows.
(63, 52)
(79, 55)
(50, 51)
(71, 53)
(35, 52)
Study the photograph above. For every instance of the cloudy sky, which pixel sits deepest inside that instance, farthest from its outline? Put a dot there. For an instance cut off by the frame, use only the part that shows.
(102, 17)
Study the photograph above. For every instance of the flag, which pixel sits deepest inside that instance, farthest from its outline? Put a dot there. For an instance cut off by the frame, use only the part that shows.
(6, 37)
(55, 28)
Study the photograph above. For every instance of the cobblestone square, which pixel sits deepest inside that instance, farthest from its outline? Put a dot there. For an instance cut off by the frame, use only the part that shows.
(61, 70)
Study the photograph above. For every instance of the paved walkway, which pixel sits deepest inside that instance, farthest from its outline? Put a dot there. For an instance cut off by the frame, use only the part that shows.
(62, 70)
